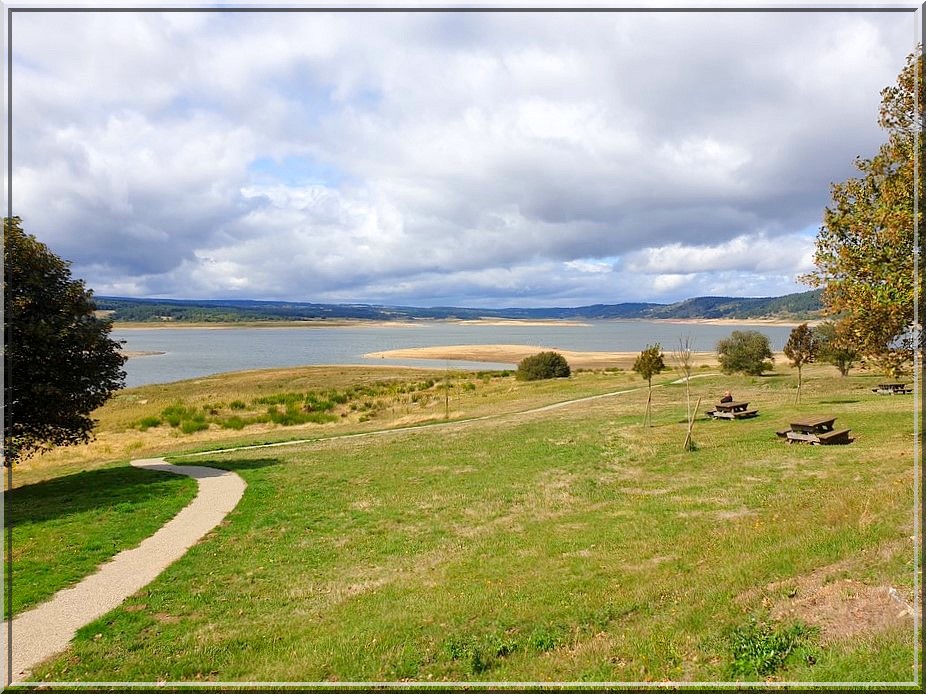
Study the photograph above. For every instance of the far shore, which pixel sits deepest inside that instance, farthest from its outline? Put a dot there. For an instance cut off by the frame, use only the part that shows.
(530, 322)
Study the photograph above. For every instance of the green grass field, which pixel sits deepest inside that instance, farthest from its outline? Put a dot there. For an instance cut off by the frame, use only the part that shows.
(568, 545)
(65, 527)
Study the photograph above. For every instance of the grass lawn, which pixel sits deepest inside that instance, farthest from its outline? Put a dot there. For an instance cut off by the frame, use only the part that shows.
(567, 545)
(65, 527)
(239, 408)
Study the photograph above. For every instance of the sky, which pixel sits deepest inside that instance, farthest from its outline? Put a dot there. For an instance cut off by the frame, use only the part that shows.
(480, 159)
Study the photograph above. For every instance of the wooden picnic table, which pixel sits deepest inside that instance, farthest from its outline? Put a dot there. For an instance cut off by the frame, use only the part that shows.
(816, 429)
(818, 424)
(892, 388)
(732, 410)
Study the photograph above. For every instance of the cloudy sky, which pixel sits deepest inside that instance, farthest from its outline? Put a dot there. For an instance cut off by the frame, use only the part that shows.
(478, 159)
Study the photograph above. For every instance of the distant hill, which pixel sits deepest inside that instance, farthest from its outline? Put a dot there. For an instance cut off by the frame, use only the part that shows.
(800, 306)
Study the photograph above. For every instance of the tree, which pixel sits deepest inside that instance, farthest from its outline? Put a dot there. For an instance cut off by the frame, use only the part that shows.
(649, 363)
(865, 253)
(60, 362)
(542, 365)
(682, 356)
(834, 348)
(801, 349)
(745, 351)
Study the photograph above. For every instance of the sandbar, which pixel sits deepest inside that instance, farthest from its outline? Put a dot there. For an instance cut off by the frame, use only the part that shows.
(131, 353)
(512, 354)
(551, 322)
(786, 322)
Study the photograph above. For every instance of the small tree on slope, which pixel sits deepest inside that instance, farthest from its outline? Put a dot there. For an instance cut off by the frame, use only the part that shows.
(801, 349)
(648, 364)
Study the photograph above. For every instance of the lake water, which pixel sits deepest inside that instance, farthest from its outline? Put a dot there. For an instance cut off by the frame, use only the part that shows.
(195, 352)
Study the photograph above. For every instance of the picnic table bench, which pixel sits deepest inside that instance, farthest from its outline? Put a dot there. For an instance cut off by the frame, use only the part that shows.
(892, 389)
(817, 430)
(731, 410)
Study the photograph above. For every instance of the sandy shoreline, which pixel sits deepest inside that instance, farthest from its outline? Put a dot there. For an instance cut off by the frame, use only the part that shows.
(739, 321)
(175, 325)
(551, 322)
(512, 354)
(130, 353)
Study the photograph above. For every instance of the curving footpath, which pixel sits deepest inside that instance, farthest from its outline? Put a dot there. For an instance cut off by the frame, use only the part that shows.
(47, 629)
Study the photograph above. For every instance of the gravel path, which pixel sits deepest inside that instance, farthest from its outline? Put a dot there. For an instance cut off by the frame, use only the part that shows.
(47, 629)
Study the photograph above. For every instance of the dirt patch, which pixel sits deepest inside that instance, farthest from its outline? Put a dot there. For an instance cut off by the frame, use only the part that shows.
(845, 609)
(651, 562)
(720, 514)
(639, 491)
(842, 608)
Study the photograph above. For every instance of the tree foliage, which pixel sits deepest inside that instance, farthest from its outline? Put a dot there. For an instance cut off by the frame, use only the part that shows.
(865, 254)
(60, 362)
(542, 365)
(650, 362)
(800, 349)
(833, 347)
(746, 351)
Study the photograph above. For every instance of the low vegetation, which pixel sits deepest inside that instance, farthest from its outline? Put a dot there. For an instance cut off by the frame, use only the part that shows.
(543, 365)
(64, 527)
(568, 545)
(747, 352)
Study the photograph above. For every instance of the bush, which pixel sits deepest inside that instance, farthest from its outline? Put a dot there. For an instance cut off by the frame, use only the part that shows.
(745, 351)
(190, 426)
(147, 422)
(759, 649)
(236, 423)
(542, 365)
(174, 414)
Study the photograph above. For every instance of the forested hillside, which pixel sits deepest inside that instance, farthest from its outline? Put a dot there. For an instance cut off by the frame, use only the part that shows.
(801, 306)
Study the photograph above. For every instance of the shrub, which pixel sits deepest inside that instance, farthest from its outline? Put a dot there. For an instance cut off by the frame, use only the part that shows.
(174, 414)
(541, 366)
(235, 423)
(279, 399)
(745, 351)
(759, 649)
(314, 403)
(237, 405)
(543, 639)
(147, 422)
(190, 426)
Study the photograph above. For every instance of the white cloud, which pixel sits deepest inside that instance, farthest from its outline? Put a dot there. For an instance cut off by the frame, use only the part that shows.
(489, 158)
(789, 253)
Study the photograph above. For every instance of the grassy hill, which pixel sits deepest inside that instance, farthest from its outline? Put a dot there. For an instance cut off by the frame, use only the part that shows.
(568, 544)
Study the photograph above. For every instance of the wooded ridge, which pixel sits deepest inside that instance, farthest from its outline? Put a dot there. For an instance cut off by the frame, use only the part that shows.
(800, 306)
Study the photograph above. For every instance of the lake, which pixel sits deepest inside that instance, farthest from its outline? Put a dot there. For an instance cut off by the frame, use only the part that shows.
(195, 352)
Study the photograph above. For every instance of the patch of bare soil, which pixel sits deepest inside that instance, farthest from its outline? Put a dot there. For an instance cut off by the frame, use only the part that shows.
(845, 609)
(842, 608)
